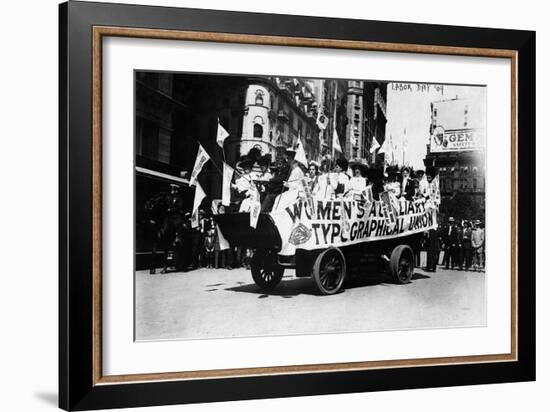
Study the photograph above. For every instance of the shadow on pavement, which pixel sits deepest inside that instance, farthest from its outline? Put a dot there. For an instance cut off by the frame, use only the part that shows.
(286, 289)
(296, 286)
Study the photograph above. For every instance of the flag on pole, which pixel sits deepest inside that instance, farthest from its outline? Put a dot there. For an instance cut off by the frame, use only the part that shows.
(221, 135)
(202, 158)
(375, 145)
(224, 244)
(383, 147)
(199, 196)
(226, 184)
(336, 142)
(300, 155)
(322, 120)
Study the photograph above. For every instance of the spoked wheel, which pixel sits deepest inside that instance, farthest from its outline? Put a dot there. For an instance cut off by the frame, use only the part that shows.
(402, 264)
(329, 271)
(266, 272)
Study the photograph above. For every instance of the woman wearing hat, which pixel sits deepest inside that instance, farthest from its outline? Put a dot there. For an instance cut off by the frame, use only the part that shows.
(358, 182)
(313, 175)
(423, 185)
(296, 174)
(407, 184)
(339, 180)
(262, 177)
(392, 183)
(244, 185)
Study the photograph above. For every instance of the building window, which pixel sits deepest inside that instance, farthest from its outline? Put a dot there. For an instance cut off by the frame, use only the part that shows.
(148, 138)
(259, 98)
(258, 130)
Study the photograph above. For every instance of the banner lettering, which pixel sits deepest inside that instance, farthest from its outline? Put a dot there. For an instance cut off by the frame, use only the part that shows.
(343, 222)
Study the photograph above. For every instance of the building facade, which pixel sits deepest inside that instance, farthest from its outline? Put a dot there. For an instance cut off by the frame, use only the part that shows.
(457, 149)
(366, 120)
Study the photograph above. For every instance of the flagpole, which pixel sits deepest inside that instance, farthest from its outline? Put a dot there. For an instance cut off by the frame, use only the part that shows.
(334, 125)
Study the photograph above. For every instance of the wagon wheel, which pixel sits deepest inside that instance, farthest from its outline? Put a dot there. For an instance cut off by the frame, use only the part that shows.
(266, 272)
(402, 264)
(329, 271)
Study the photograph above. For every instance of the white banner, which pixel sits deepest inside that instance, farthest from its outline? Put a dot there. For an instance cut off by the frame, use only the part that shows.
(202, 158)
(226, 184)
(344, 222)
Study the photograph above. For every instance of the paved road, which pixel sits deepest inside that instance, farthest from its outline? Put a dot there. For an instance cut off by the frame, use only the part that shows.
(208, 303)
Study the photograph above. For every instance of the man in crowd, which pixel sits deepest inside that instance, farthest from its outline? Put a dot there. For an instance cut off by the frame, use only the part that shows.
(478, 244)
(450, 240)
(467, 245)
(169, 209)
(433, 239)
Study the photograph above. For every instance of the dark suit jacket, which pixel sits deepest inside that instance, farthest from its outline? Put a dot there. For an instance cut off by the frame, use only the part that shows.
(409, 189)
(452, 238)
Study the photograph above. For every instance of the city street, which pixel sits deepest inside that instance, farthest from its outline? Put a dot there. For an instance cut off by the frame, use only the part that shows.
(207, 303)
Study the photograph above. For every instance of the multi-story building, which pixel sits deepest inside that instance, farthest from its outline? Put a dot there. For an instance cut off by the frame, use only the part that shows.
(457, 149)
(355, 108)
(279, 110)
(366, 120)
(333, 106)
(374, 97)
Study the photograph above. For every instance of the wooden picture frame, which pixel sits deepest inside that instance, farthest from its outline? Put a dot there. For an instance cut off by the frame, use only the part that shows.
(82, 28)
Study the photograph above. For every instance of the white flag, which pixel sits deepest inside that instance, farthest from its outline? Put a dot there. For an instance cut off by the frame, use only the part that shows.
(375, 145)
(202, 158)
(336, 142)
(224, 244)
(300, 155)
(322, 120)
(382, 148)
(221, 135)
(226, 184)
(199, 196)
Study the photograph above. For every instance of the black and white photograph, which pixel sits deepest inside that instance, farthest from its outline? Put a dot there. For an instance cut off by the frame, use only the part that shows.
(274, 206)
